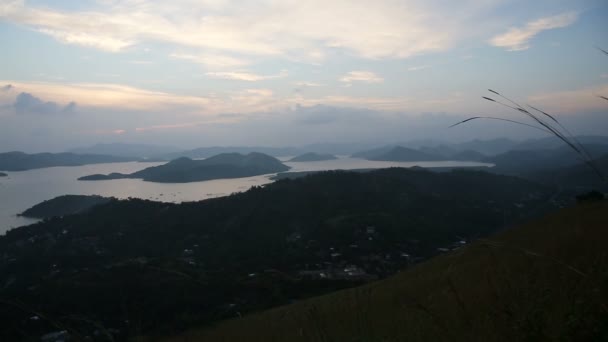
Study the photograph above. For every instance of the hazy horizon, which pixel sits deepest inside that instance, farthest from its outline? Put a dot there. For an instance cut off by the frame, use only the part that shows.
(286, 73)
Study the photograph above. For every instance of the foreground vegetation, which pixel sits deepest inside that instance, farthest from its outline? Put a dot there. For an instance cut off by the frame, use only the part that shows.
(543, 281)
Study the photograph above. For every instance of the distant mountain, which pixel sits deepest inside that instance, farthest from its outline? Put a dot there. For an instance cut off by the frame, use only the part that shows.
(311, 156)
(487, 147)
(553, 142)
(483, 147)
(184, 170)
(397, 153)
(367, 154)
(206, 152)
(449, 153)
(127, 150)
(468, 155)
(526, 162)
(19, 161)
(64, 205)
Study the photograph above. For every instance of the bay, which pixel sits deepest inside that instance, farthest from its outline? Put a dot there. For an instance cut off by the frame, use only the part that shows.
(22, 190)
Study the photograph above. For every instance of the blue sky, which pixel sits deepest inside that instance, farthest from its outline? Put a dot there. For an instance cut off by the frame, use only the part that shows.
(205, 72)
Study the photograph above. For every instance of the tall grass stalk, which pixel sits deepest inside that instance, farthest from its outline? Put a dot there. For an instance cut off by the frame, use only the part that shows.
(545, 122)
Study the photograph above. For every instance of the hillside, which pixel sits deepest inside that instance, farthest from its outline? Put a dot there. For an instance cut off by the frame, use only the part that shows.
(221, 166)
(542, 281)
(142, 267)
(19, 161)
(311, 156)
(579, 176)
(64, 205)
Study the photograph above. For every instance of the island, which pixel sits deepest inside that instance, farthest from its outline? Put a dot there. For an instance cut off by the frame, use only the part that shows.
(185, 170)
(398, 154)
(64, 205)
(20, 161)
(309, 157)
(2, 174)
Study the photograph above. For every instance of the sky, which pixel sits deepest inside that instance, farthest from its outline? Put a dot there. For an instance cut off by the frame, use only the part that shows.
(193, 73)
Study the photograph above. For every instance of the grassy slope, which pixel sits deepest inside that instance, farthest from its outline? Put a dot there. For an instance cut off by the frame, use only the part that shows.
(546, 280)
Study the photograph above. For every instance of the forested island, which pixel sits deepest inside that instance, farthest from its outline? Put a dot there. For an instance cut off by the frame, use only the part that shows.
(311, 156)
(183, 170)
(139, 267)
(20, 161)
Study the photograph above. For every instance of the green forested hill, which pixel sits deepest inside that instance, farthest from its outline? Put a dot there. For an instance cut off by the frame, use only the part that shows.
(543, 281)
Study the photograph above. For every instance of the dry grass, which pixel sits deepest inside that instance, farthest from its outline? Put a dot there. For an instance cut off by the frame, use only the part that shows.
(542, 281)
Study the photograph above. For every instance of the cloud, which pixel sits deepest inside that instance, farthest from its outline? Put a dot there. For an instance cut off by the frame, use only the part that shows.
(361, 76)
(517, 39)
(213, 61)
(116, 96)
(572, 101)
(298, 30)
(26, 103)
(245, 76)
(308, 84)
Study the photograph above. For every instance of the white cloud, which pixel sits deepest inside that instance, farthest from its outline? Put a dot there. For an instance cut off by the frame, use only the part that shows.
(114, 96)
(244, 75)
(213, 61)
(293, 29)
(308, 84)
(518, 38)
(361, 76)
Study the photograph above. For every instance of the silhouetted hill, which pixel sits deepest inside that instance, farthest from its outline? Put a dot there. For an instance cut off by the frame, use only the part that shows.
(579, 176)
(544, 281)
(525, 162)
(138, 267)
(449, 153)
(553, 142)
(486, 147)
(373, 152)
(183, 170)
(127, 150)
(397, 153)
(64, 205)
(206, 152)
(311, 156)
(19, 161)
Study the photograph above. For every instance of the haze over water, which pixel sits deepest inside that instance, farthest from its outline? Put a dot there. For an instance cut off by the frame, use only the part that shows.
(22, 190)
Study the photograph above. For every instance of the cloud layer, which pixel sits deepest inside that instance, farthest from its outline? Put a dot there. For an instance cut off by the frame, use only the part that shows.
(518, 38)
(306, 30)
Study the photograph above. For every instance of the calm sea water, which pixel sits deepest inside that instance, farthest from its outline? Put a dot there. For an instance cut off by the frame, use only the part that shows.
(22, 190)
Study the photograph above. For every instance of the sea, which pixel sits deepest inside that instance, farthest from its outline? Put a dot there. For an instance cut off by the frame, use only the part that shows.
(22, 190)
